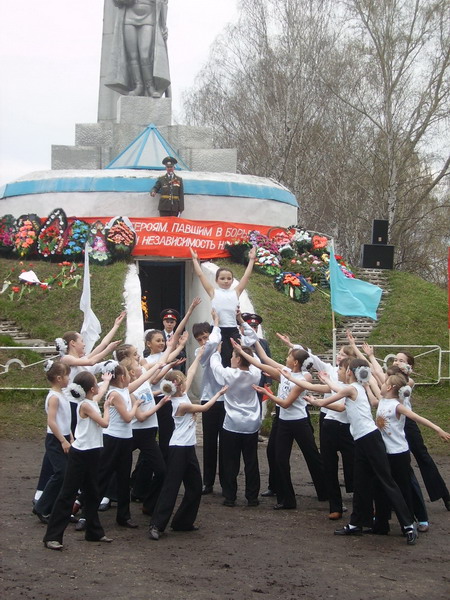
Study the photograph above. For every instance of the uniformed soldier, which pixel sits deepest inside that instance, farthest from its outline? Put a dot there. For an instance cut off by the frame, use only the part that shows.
(170, 188)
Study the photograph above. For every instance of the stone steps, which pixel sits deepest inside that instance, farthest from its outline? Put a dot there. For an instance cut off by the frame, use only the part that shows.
(361, 327)
(14, 331)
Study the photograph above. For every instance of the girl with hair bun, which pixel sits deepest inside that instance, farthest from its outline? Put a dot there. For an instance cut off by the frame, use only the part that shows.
(293, 421)
(58, 439)
(83, 462)
(390, 419)
(371, 459)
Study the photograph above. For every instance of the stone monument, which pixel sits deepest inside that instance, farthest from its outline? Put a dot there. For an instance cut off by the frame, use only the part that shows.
(135, 91)
(139, 62)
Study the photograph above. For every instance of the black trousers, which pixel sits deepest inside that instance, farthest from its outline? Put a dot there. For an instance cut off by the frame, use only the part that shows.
(212, 422)
(227, 349)
(301, 431)
(182, 467)
(165, 426)
(45, 474)
(116, 457)
(58, 461)
(273, 483)
(235, 444)
(432, 479)
(335, 437)
(152, 469)
(82, 472)
(371, 462)
(400, 465)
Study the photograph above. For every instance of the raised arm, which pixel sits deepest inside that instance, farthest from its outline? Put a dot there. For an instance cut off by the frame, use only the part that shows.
(269, 369)
(304, 384)
(208, 287)
(182, 324)
(419, 419)
(248, 271)
(193, 369)
(347, 391)
(109, 336)
(197, 408)
(377, 371)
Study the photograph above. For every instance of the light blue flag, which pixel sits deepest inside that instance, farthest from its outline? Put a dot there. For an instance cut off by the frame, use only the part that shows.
(352, 297)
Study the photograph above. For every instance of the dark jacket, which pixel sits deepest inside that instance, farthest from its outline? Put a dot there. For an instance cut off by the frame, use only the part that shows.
(172, 193)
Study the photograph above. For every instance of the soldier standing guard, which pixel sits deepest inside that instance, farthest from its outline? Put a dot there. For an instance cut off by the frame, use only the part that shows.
(170, 186)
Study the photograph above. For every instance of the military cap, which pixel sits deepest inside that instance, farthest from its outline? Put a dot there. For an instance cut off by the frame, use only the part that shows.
(170, 313)
(169, 161)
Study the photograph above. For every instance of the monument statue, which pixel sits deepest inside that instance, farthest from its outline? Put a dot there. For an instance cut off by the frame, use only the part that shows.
(139, 63)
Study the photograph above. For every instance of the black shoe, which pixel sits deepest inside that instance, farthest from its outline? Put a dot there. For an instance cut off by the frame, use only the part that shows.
(411, 535)
(207, 489)
(283, 507)
(253, 502)
(104, 506)
(268, 493)
(129, 524)
(81, 525)
(153, 533)
(229, 502)
(446, 503)
(347, 530)
(42, 518)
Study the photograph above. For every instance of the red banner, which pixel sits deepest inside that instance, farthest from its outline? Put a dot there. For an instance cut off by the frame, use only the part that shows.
(173, 237)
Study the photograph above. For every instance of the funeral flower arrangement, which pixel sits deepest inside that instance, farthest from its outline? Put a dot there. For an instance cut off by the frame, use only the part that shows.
(296, 258)
(58, 237)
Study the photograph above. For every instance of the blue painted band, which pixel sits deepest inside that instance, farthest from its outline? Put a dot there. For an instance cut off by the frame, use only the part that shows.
(139, 184)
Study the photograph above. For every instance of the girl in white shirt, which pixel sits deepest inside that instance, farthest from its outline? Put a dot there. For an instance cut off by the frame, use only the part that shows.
(225, 300)
(391, 414)
(83, 462)
(182, 465)
(371, 460)
(293, 423)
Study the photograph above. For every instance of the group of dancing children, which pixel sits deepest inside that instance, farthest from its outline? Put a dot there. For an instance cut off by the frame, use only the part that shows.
(88, 455)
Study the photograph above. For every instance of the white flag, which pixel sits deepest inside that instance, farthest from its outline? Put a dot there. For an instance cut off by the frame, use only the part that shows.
(91, 328)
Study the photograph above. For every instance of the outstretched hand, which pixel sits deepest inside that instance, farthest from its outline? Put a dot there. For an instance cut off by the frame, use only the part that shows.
(194, 254)
(252, 253)
(284, 338)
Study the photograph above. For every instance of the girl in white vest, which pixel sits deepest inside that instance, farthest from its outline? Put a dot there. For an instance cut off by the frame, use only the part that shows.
(392, 411)
(83, 462)
(293, 421)
(182, 465)
(371, 461)
(225, 300)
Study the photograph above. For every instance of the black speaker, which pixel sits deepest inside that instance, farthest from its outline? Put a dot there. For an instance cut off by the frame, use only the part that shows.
(377, 256)
(380, 231)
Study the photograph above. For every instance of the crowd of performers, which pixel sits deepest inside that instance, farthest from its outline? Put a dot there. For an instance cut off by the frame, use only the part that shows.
(146, 406)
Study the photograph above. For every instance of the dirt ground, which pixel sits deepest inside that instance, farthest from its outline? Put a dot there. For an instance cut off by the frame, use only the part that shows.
(240, 553)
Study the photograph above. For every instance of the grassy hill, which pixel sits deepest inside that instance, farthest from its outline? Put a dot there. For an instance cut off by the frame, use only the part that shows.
(415, 313)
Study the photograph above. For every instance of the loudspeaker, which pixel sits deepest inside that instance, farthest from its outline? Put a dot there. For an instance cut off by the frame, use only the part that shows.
(377, 256)
(380, 231)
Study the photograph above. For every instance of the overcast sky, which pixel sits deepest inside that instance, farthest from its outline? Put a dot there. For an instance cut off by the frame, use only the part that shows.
(50, 65)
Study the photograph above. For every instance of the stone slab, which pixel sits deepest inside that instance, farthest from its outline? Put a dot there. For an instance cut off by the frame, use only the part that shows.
(94, 134)
(137, 110)
(187, 136)
(222, 160)
(76, 157)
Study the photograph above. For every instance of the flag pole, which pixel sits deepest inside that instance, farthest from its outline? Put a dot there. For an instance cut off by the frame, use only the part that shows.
(333, 320)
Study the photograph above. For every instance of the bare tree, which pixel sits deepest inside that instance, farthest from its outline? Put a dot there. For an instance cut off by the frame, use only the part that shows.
(346, 104)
